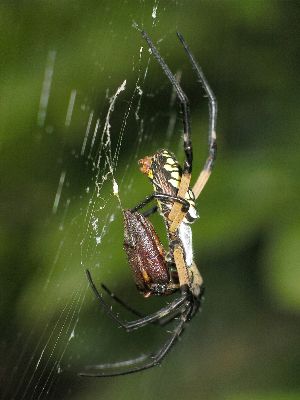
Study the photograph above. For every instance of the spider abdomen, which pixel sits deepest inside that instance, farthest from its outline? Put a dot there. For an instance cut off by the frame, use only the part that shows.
(146, 255)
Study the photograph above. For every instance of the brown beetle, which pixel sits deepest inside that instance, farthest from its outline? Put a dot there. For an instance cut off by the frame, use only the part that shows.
(146, 256)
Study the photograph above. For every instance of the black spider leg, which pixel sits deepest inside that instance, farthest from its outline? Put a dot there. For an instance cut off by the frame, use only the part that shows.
(117, 364)
(139, 323)
(151, 211)
(118, 300)
(121, 302)
(212, 104)
(151, 360)
(163, 197)
(184, 103)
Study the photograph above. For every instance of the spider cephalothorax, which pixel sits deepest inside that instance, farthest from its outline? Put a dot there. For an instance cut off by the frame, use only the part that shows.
(165, 173)
(158, 271)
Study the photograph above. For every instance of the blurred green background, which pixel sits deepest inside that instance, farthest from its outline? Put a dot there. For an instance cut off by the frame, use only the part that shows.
(245, 344)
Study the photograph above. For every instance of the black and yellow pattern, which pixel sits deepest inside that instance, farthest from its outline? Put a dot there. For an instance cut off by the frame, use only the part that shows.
(165, 174)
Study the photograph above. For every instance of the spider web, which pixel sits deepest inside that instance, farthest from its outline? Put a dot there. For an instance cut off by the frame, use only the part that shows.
(85, 229)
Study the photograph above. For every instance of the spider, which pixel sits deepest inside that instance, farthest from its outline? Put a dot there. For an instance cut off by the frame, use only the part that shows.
(156, 272)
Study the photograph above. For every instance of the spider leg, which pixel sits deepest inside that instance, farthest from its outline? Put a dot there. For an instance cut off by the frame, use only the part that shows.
(139, 323)
(184, 204)
(212, 138)
(184, 102)
(176, 214)
(117, 364)
(162, 314)
(161, 322)
(150, 211)
(148, 361)
(121, 302)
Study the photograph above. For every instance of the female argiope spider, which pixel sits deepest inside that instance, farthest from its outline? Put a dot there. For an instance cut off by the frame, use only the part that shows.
(154, 271)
